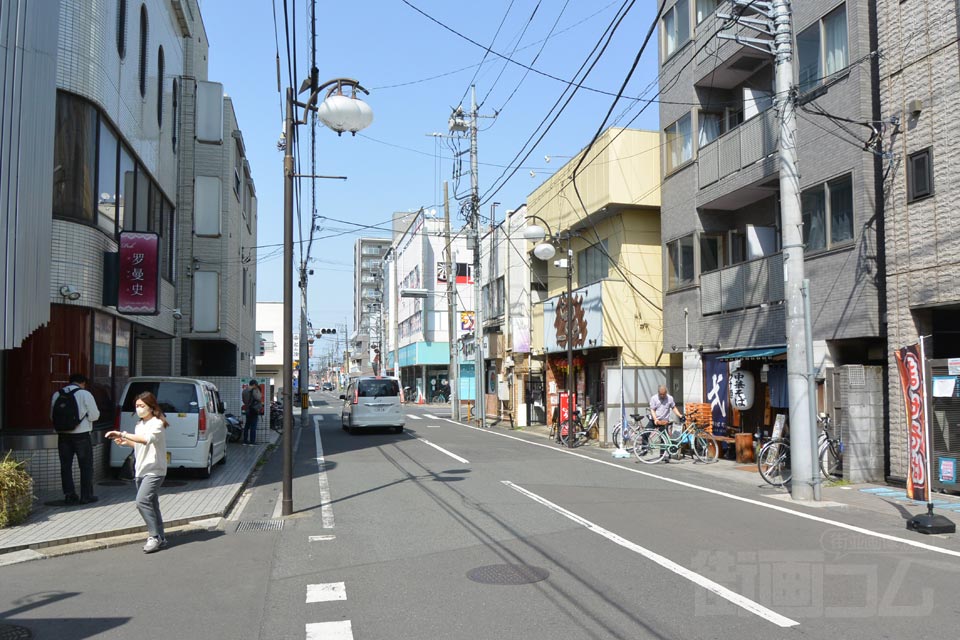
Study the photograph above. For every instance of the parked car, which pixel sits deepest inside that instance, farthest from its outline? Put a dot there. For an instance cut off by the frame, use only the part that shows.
(327, 386)
(311, 388)
(197, 435)
(372, 402)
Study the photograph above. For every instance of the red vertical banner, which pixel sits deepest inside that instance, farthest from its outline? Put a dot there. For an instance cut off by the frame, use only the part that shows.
(139, 292)
(910, 365)
(565, 405)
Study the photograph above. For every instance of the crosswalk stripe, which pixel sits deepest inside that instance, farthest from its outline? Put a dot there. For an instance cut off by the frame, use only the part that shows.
(414, 417)
(335, 630)
(326, 592)
(321, 538)
(430, 415)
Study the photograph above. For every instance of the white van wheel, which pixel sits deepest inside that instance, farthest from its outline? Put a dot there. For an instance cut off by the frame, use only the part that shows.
(207, 471)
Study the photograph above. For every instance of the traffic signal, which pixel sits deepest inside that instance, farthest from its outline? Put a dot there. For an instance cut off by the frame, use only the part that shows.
(326, 330)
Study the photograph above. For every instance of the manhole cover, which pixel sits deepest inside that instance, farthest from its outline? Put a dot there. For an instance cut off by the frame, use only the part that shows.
(174, 483)
(114, 483)
(260, 525)
(13, 632)
(507, 574)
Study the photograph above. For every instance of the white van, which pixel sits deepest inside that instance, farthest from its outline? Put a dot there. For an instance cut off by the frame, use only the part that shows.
(372, 401)
(197, 435)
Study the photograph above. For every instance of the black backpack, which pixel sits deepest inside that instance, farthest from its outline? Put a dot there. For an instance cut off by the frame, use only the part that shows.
(66, 411)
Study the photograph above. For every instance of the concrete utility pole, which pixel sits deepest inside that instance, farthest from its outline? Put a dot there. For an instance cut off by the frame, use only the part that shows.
(453, 375)
(304, 349)
(775, 19)
(477, 293)
(287, 396)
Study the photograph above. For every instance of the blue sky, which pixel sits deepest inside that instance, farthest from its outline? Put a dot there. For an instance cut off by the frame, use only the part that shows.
(416, 70)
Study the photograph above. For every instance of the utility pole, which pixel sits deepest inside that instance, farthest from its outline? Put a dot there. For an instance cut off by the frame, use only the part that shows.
(775, 20)
(287, 396)
(475, 228)
(453, 375)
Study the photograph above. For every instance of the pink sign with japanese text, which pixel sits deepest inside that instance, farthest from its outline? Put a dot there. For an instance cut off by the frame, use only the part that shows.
(139, 292)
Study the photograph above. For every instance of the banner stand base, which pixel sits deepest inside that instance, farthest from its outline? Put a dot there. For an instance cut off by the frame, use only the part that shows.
(931, 523)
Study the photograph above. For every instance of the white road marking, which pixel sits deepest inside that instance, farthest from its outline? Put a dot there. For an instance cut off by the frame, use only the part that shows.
(702, 581)
(336, 630)
(414, 416)
(442, 450)
(730, 496)
(326, 511)
(321, 538)
(326, 592)
(319, 417)
(430, 415)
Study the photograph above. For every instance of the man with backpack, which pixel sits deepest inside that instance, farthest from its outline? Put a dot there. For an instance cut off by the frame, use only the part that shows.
(73, 411)
(252, 406)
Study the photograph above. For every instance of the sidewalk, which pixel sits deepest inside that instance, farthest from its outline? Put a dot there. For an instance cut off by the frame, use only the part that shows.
(183, 499)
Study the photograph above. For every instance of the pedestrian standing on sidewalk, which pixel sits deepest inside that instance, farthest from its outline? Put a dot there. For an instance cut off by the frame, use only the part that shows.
(73, 418)
(253, 403)
(150, 451)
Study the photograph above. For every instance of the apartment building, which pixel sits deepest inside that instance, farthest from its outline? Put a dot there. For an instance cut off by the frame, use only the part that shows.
(111, 109)
(611, 225)
(723, 287)
(919, 84)
(368, 325)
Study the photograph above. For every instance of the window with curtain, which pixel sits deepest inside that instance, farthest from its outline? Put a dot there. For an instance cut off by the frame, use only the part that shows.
(592, 264)
(679, 143)
(705, 8)
(74, 159)
(676, 27)
(107, 180)
(711, 127)
(680, 257)
(822, 48)
(827, 211)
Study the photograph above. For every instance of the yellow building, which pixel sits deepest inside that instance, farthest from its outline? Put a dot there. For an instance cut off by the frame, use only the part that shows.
(607, 212)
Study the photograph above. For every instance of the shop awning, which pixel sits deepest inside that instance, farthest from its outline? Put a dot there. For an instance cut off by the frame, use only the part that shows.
(754, 354)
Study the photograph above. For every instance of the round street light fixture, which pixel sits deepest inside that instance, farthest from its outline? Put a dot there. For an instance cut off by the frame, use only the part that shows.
(544, 251)
(342, 112)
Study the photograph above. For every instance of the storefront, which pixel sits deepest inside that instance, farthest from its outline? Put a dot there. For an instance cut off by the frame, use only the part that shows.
(756, 389)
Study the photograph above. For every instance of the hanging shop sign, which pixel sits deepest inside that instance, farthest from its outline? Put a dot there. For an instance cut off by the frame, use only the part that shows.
(742, 389)
(139, 292)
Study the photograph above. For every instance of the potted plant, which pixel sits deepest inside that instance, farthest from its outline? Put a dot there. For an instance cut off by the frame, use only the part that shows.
(16, 492)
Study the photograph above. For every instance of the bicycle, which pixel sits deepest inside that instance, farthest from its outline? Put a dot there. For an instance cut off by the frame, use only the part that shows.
(829, 450)
(621, 435)
(655, 445)
(773, 462)
(581, 429)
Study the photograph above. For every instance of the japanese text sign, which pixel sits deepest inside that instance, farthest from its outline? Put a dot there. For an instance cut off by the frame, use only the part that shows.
(139, 273)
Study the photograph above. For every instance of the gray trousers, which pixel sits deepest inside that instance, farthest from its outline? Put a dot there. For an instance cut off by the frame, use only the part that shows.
(148, 504)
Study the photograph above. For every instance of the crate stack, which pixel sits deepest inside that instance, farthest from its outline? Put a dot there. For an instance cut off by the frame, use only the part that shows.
(701, 413)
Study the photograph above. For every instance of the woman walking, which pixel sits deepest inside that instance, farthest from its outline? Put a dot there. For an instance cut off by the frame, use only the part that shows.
(150, 450)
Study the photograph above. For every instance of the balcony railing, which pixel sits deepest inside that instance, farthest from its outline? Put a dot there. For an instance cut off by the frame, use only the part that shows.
(742, 286)
(753, 140)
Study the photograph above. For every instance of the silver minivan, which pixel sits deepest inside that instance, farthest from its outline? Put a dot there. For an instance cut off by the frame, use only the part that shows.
(372, 401)
(197, 435)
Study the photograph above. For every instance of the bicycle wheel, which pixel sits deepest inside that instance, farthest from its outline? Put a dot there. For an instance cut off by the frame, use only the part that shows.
(616, 436)
(651, 446)
(565, 428)
(831, 460)
(705, 447)
(774, 463)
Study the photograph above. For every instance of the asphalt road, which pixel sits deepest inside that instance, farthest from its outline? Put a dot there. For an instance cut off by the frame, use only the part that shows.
(446, 531)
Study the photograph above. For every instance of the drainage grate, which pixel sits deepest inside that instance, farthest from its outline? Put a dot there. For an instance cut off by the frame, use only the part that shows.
(507, 574)
(260, 525)
(13, 632)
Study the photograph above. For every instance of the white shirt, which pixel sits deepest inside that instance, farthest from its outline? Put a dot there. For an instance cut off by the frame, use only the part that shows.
(661, 408)
(89, 413)
(151, 457)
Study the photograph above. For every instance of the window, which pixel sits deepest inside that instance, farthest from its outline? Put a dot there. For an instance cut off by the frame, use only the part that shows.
(679, 143)
(680, 267)
(74, 159)
(828, 214)
(143, 51)
(160, 87)
(712, 126)
(920, 175)
(175, 115)
(244, 286)
(126, 188)
(705, 8)
(676, 27)
(822, 48)
(592, 264)
(712, 251)
(122, 28)
(107, 180)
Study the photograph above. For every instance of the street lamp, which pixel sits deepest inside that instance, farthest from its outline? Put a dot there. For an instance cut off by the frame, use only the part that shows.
(340, 112)
(545, 249)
